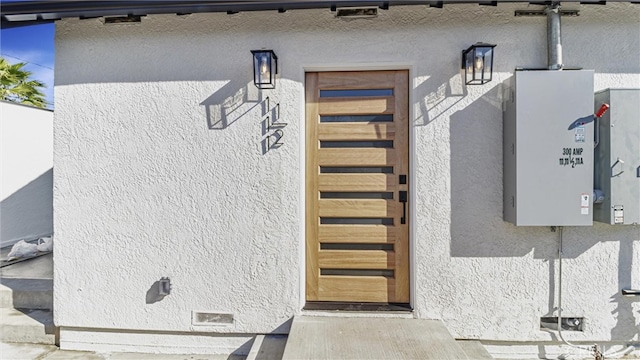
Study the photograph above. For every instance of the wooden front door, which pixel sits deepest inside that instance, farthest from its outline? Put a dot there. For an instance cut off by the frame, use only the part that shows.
(357, 215)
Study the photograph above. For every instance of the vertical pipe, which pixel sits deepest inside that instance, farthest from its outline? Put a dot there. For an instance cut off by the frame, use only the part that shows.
(554, 39)
(560, 295)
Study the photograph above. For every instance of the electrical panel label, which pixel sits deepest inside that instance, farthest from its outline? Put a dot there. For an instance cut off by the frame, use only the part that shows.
(579, 134)
(618, 214)
(584, 204)
(571, 157)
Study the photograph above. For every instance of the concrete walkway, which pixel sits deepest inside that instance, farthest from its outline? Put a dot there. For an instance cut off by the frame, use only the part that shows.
(18, 351)
(318, 337)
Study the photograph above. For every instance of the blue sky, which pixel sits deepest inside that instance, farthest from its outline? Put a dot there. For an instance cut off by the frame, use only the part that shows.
(34, 46)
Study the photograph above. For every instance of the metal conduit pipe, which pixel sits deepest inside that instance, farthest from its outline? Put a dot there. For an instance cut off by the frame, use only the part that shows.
(593, 350)
(554, 39)
(587, 349)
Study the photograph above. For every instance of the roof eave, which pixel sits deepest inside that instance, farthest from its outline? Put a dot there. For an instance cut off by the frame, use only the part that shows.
(38, 12)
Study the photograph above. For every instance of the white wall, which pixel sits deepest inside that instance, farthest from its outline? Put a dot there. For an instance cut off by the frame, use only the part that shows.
(161, 171)
(26, 188)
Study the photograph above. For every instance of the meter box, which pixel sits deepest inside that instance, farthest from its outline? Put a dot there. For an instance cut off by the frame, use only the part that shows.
(617, 157)
(548, 148)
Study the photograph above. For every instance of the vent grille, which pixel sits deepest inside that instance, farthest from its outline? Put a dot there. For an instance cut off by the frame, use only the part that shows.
(211, 318)
(353, 13)
(129, 19)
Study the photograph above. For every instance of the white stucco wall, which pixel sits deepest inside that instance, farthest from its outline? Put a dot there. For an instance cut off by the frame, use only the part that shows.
(26, 188)
(161, 172)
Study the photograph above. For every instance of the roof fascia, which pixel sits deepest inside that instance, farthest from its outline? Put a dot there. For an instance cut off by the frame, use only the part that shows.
(37, 12)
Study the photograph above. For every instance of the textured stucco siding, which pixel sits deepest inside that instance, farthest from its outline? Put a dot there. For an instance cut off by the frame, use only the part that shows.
(26, 174)
(162, 170)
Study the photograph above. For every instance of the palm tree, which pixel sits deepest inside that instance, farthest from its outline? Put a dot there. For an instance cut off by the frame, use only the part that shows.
(16, 86)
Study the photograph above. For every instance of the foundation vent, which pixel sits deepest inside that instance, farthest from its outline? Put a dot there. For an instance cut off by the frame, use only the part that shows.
(357, 13)
(211, 318)
(129, 19)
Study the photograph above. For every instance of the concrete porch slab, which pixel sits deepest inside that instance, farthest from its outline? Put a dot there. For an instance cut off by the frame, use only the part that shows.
(474, 349)
(370, 338)
(267, 347)
(27, 326)
(27, 284)
(26, 293)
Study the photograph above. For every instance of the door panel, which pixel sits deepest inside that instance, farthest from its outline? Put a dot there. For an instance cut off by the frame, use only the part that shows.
(356, 106)
(356, 131)
(356, 182)
(369, 288)
(357, 244)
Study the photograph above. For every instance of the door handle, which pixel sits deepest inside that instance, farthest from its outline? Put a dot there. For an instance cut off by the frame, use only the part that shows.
(403, 200)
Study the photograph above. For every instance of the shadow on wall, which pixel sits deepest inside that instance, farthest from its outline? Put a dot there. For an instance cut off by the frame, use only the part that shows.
(154, 294)
(477, 227)
(626, 319)
(238, 99)
(231, 102)
(448, 93)
(28, 212)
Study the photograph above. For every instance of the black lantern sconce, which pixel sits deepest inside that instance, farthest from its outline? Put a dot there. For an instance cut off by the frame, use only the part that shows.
(265, 68)
(477, 62)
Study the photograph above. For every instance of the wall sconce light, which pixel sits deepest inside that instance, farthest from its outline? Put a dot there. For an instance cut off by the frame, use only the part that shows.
(477, 62)
(265, 68)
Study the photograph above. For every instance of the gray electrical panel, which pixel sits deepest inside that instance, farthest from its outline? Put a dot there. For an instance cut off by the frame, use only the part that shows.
(548, 148)
(617, 157)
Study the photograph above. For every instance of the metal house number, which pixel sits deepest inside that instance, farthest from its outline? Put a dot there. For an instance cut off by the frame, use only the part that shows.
(272, 129)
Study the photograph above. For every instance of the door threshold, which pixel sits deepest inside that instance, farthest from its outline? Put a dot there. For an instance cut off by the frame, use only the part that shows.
(358, 314)
(357, 307)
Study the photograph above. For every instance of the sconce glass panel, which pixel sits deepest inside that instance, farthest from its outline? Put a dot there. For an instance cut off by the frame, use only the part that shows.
(265, 68)
(477, 62)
